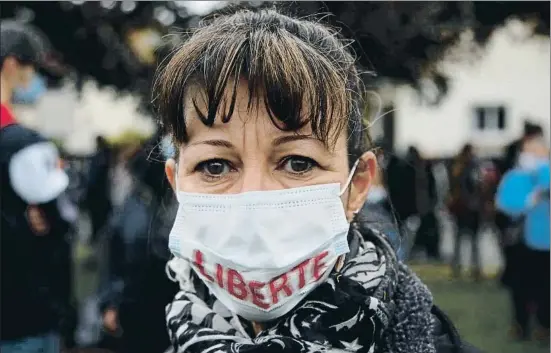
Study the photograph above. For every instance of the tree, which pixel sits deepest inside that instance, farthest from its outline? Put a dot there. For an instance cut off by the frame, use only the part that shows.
(401, 41)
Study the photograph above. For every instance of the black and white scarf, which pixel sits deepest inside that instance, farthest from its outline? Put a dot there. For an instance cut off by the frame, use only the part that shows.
(364, 307)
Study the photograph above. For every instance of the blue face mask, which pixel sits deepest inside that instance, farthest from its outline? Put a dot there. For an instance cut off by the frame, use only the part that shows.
(167, 147)
(30, 94)
(530, 162)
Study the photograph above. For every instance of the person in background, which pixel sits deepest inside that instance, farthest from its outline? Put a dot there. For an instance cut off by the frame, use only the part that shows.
(378, 213)
(503, 221)
(465, 205)
(98, 193)
(424, 199)
(36, 215)
(523, 195)
(400, 195)
(135, 286)
(489, 173)
(509, 161)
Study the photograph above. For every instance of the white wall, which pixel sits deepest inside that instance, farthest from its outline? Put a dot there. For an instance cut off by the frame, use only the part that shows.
(513, 71)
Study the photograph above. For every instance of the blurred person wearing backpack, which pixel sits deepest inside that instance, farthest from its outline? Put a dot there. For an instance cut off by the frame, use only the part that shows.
(465, 205)
(36, 217)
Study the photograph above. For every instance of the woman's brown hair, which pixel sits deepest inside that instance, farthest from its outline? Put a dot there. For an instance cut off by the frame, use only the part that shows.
(299, 70)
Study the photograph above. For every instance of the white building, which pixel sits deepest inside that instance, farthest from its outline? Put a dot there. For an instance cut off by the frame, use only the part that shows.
(74, 121)
(487, 102)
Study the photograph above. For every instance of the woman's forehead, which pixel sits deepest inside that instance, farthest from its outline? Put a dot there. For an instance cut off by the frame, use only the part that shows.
(249, 129)
(249, 113)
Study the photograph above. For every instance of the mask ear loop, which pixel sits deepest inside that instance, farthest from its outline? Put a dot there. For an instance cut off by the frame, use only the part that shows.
(176, 188)
(350, 176)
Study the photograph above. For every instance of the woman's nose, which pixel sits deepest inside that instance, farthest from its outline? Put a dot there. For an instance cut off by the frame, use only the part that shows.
(256, 178)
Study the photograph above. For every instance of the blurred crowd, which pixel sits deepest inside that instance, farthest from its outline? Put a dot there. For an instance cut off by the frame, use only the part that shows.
(131, 209)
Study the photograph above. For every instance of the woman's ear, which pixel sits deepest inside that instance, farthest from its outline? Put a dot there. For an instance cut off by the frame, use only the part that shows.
(170, 171)
(361, 183)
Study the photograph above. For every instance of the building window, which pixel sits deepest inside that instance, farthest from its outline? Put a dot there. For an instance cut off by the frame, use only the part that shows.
(490, 119)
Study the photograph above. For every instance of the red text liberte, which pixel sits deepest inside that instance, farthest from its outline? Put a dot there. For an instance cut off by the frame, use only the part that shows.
(254, 292)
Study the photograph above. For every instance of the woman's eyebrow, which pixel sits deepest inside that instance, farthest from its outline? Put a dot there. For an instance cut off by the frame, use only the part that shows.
(291, 138)
(215, 143)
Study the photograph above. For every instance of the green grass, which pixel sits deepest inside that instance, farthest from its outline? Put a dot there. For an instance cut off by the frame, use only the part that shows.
(481, 312)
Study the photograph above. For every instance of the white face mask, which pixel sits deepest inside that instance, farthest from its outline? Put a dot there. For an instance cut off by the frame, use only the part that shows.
(529, 161)
(261, 252)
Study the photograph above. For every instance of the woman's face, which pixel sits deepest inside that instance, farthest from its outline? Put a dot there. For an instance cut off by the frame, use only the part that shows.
(249, 153)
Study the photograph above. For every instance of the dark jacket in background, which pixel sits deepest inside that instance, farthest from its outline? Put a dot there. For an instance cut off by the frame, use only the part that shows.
(396, 176)
(465, 188)
(98, 191)
(35, 270)
(400, 176)
(510, 157)
(507, 162)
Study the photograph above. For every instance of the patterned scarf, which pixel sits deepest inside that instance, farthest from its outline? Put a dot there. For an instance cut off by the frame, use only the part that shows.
(355, 310)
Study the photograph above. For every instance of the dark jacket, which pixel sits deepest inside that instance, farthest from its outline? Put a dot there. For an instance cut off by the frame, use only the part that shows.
(97, 197)
(400, 190)
(400, 177)
(35, 270)
(98, 191)
(509, 159)
(465, 188)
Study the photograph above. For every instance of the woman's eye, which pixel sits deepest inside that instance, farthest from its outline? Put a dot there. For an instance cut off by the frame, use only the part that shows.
(298, 164)
(214, 168)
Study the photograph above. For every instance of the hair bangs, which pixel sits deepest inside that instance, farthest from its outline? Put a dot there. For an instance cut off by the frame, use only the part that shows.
(296, 84)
